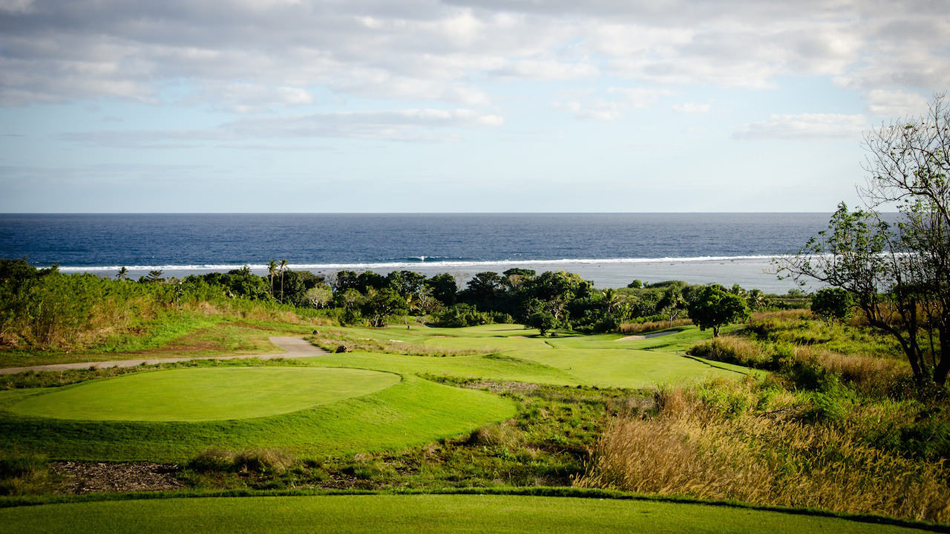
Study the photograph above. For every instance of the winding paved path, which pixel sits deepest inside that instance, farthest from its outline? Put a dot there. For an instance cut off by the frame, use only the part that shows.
(294, 347)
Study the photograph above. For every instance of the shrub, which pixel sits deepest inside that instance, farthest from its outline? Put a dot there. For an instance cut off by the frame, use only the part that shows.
(832, 303)
(734, 350)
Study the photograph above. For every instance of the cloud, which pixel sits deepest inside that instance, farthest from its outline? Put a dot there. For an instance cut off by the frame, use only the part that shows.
(691, 108)
(402, 125)
(398, 125)
(805, 126)
(895, 104)
(616, 103)
(240, 54)
(242, 97)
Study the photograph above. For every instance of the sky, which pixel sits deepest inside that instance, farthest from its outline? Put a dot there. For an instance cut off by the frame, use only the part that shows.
(454, 106)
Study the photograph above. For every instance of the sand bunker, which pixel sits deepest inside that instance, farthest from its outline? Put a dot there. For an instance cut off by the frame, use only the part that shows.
(648, 336)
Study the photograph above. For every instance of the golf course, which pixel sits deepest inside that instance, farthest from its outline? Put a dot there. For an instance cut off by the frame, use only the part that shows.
(394, 389)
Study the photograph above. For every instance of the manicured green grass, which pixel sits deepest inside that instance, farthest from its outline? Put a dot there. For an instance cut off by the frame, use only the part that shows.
(601, 360)
(488, 367)
(417, 513)
(204, 394)
(415, 411)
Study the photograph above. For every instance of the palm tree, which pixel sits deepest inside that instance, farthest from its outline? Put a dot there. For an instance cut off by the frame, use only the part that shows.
(283, 267)
(611, 299)
(123, 273)
(272, 270)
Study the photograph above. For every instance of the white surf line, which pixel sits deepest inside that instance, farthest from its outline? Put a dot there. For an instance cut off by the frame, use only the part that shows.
(294, 347)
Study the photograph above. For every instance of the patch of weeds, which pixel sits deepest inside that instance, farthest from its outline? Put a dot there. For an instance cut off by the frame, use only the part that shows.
(24, 475)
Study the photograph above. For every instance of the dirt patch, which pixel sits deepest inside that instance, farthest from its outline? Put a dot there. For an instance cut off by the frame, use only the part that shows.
(100, 477)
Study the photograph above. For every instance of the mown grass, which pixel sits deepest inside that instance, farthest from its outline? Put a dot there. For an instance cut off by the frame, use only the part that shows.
(204, 394)
(601, 360)
(414, 513)
(414, 411)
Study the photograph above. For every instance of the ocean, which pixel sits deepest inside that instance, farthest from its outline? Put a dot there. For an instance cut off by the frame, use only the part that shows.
(610, 249)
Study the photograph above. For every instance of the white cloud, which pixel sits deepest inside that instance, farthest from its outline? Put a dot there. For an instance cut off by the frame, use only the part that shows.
(691, 108)
(249, 98)
(621, 101)
(398, 125)
(599, 110)
(262, 56)
(806, 126)
(895, 104)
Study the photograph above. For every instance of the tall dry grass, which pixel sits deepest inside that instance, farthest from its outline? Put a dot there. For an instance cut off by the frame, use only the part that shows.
(868, 373)
(650, 326)
(738, 442)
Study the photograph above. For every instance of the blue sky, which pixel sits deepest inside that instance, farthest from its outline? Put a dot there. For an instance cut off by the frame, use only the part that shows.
(458, 106)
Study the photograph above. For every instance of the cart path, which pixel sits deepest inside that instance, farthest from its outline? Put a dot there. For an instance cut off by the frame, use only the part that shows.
(294, 347)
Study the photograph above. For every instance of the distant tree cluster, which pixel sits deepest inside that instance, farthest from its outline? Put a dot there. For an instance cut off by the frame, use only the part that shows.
(547, 301)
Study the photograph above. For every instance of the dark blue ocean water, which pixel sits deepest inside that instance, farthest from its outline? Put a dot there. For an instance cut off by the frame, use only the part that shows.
(176, 241)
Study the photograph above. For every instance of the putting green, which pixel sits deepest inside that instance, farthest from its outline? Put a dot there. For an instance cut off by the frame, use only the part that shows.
(205, 394)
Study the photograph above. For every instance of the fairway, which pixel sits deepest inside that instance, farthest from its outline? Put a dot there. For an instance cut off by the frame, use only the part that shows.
(205, 394)
(417, 513)
(598, 360)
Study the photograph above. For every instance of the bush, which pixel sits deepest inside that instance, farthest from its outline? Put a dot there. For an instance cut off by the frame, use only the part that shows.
(461, 315)
(831, 304)
(734, 350)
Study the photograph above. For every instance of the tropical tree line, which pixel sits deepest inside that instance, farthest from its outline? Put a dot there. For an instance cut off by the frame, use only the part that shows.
(39, 306)
(548, 301)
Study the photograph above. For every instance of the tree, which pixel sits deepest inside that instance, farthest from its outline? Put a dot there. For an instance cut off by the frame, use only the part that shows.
(484, 289)
(319, 296)
(555, 290)
(831, 303)
(271, 271)
(381, 304)
(281, 269)
(897, 274)
(672, 303)
(542, 319)
(714, 307)
(611, 300)
(122, 274)
(444, 288)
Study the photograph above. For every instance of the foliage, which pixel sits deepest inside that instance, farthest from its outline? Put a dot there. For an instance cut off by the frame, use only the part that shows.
(898, 275)
(381, 304)
(832, 303)
(460, 315)
(260, 461)
(713, 307)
